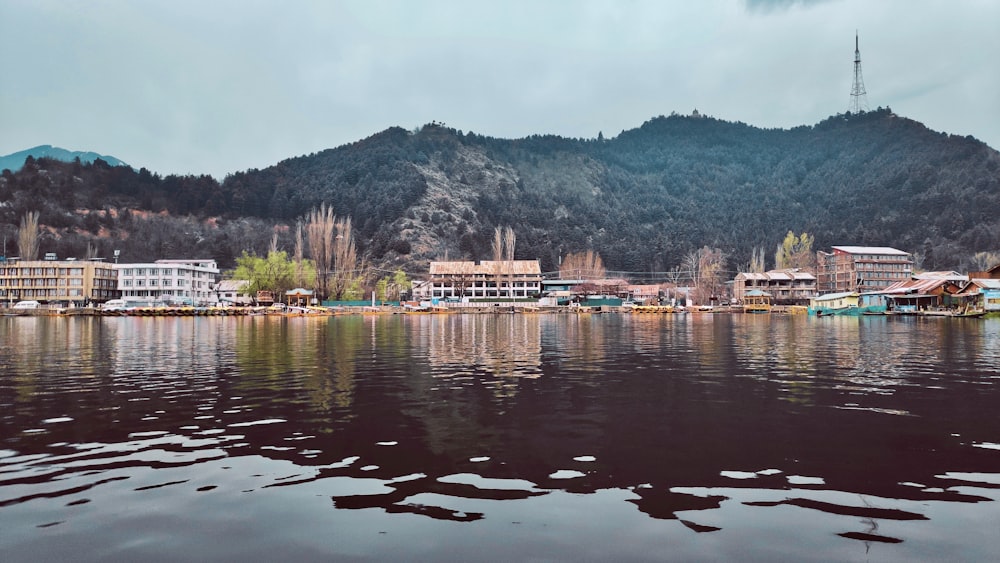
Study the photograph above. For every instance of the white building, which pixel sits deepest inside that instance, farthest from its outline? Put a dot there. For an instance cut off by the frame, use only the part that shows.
(187, 282)
(486, 279)
(234, 291)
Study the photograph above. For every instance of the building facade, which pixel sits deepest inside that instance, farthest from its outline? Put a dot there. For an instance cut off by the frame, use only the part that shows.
(787, 287)
(172, 282)
(861, 268)
(70, 283)
(487, 279)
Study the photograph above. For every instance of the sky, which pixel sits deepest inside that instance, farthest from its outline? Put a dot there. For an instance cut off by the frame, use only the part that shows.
(194, 87)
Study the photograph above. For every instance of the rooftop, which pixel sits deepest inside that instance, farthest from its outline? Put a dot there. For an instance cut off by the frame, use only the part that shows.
(870, 250)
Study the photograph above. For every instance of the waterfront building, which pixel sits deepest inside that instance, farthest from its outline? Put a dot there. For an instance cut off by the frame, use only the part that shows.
(67, 283)
(982, 294)
(234, 291)
(486, 279)
(170, 282)
(861, 268)
(791, 286)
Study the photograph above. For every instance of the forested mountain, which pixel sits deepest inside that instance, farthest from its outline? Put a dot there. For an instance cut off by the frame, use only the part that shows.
(642, 199)
(15, 161)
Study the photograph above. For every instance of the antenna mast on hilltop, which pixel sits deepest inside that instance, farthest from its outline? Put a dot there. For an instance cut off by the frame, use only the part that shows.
(859, 98)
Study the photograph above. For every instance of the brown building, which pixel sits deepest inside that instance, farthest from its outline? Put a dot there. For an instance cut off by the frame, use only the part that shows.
(861, 268)
(786, 287)
(58, 282)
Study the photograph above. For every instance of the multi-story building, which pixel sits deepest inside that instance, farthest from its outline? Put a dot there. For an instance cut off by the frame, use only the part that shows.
(485, 279)
(68, 282)
(187, 282)
(787, 287)
(861, 268)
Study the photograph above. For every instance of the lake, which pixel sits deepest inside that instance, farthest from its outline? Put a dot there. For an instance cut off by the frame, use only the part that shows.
(500, 437)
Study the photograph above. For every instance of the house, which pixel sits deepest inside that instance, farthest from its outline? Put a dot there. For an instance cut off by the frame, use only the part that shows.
(486, 279)
(69, 282)
(918, 294)
(190, 282)
(787, 287)
(981, 294)
(861, 268)
(644, 293)
(234, 291)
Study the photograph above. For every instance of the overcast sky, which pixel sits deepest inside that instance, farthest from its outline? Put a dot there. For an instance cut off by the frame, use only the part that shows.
(216, 87)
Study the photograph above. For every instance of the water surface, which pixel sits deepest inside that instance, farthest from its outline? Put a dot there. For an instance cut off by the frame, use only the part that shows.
(499, 437)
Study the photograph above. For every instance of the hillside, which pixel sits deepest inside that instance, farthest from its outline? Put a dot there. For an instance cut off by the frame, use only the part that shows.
(642, 199)
(15, 161)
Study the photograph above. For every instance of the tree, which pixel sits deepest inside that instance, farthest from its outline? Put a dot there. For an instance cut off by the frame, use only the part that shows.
(582, 266)
(276, 272)
(349, 272)
(982, 261)
(704, 268)
(27, 236)
(320, 227)
(503, 253)
(757, 260)
(795, 252)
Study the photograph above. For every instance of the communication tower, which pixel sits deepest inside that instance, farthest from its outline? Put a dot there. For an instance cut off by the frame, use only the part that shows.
(859, 98)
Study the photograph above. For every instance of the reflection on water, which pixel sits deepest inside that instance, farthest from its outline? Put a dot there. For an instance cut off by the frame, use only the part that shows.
(499, 437)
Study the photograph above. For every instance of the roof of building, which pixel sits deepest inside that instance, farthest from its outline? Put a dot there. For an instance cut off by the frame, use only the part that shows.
(832, 296)
(299, 291)
(870, 250)
(953, 276)
(915, 286)
(985, 283)
(788, 274)
(233, 285)
(486, 267)
(644, 289)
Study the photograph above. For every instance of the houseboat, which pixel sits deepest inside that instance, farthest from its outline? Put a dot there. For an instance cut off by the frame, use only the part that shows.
(829, 304)
(756, 301)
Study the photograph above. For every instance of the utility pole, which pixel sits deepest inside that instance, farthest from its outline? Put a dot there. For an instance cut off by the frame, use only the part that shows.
(859, 98)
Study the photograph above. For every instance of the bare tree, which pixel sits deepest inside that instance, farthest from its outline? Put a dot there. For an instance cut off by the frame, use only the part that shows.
(583, 265)
(982, 261)
(504, 241)
(27, 236)
(757, 260)
(299, 271)
(510, 240)
(320, 227)
(348, 270)
(704, 268)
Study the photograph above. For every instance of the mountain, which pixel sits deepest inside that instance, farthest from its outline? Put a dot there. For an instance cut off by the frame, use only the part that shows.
(643, 199)
(15, 161)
